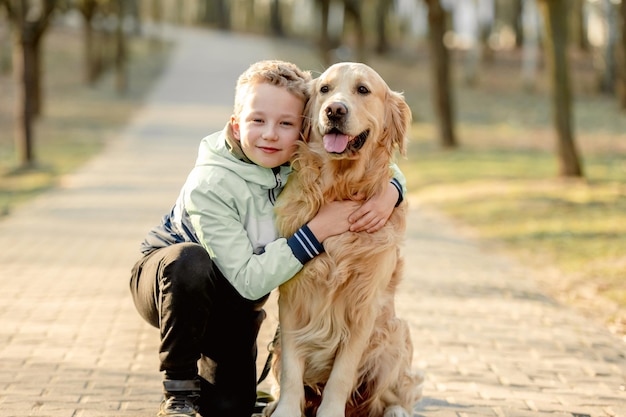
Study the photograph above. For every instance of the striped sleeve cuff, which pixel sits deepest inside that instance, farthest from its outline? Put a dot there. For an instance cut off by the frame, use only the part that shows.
(396, 184)
(304, 244)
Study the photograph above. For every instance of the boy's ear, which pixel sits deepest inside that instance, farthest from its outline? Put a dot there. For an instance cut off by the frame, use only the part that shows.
(234, 122)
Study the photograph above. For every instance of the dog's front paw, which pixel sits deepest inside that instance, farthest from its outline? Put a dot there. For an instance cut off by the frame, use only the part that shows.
(278, 409)
(396, 411)
(268, 410)
(331, 411)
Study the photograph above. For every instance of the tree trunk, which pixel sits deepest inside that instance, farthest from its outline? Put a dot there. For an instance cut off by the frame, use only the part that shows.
(38, 28)
(223, 14)
(215, 12)
(440, 70)
(382, 12)
(353, 8)
(245, 17)
(91, 62)
(27, 36)
(579, 31)
(121, 79)
(24, 75)
(276, 21)
(555, 17)
(37, 88)
(517, 23)
(324, 41)
(622, 56)
(87, 9)
(5, 49)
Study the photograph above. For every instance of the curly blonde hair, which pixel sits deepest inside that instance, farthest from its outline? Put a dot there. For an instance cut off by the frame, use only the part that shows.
(274, 72)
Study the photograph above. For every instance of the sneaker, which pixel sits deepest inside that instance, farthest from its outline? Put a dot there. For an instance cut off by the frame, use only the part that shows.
(177, 406)
(180, 399)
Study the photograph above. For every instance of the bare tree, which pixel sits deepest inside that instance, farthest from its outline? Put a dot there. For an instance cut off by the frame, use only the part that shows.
(121, 49)
(217, 12)
(621, 90)
(276, 21)
(324, 40)
(579, 30)
(440, 72)
(382, 14)
(105, 38)
(555, 17)
(5, 44)
(29, 24)
(352, 8)
(517, 22)
(87, 9)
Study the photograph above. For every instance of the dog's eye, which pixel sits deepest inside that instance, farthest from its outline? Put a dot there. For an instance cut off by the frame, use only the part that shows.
(363, 90)
(324, 89)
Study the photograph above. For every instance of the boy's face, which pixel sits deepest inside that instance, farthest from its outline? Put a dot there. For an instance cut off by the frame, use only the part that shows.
(269, 124)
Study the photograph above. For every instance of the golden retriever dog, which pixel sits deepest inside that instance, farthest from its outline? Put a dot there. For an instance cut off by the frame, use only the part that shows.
(342, 349)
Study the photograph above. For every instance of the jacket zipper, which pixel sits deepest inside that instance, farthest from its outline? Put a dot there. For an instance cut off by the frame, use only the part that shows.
(279, 183)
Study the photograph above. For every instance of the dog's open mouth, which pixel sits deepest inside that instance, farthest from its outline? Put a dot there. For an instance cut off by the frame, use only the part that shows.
(336, 141)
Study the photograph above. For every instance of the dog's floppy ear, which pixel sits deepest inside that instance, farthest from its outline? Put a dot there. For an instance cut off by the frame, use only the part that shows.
(397, 121)
(307, 121)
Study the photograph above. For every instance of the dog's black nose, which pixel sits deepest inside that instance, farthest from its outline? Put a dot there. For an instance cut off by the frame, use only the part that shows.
(335, 111)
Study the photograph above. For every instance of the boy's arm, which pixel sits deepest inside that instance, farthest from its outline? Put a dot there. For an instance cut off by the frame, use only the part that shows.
(399, 181)
(219, 229)
(253, 273)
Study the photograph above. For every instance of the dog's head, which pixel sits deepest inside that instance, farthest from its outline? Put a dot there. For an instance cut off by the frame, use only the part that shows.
(352, 111)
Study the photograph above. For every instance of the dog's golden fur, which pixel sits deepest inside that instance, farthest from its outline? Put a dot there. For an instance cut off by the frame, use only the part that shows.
(342, 348)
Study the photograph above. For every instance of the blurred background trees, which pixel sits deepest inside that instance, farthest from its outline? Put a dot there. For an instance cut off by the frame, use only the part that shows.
(474, 30)
(29, 24)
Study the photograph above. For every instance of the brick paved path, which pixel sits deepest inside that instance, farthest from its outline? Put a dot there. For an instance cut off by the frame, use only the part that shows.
(72, 345)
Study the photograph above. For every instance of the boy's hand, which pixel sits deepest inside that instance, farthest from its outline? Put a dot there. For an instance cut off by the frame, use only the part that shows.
(375, 212)
(332, 219)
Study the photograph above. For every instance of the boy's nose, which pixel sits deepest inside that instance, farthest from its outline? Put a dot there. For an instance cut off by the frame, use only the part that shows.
(270, 133)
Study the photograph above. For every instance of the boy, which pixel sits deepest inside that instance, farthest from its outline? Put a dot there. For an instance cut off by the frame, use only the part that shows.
(207, 270)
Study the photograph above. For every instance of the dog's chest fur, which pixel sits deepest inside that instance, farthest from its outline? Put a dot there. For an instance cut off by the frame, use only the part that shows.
(330, 292)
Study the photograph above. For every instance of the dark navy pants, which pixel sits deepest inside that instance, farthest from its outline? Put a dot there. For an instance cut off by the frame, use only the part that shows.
(207, 329)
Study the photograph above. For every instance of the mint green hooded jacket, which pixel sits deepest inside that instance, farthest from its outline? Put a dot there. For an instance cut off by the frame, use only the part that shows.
(227, 205)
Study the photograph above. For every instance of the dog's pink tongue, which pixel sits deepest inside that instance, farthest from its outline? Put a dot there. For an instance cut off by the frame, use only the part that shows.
(336, 142)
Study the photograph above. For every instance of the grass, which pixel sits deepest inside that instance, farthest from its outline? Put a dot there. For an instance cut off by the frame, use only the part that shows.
(511, 197)
(77, 121)
(578, 227)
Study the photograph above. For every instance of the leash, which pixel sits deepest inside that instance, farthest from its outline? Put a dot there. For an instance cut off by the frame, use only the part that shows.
(270, 357)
